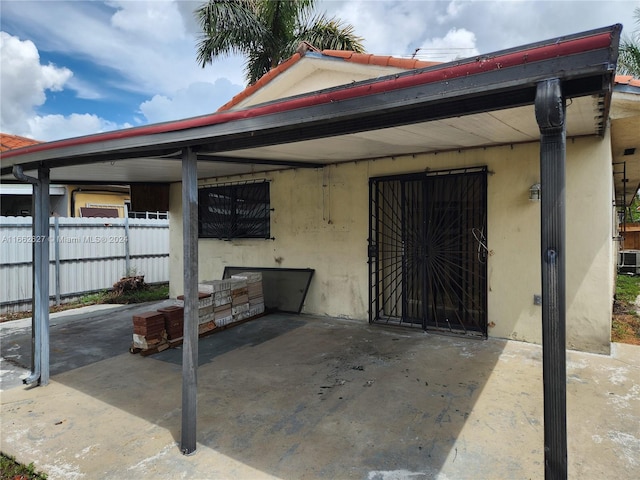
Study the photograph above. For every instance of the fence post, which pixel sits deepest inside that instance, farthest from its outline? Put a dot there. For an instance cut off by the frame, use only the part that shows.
(56, 239)
(127, 258)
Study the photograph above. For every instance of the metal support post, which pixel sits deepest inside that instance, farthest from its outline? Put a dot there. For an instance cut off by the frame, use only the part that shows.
(550, 115)
(40, 269)
(190, 342)
(42, 272)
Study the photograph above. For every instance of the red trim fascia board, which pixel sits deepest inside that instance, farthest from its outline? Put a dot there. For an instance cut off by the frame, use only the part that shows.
(481, 65)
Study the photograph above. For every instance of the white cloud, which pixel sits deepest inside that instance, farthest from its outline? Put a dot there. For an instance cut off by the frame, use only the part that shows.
(159, 20)
(145, 43)
(24, 81)
(453, 10)
(55, 127)
(388, 28)
(397, 26)
(457, 43)
(85, 89)
(198, 99)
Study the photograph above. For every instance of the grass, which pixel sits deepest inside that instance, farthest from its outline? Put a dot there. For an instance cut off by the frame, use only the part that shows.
(625, 325)
(150, 293)
(12, 470)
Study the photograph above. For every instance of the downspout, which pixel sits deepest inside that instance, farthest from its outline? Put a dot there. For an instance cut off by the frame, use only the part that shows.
(550, 114)
(40, 268)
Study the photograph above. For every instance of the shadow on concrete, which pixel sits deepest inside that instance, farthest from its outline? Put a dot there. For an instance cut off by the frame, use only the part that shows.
(309, 397)
(76, 340)
(245, 335)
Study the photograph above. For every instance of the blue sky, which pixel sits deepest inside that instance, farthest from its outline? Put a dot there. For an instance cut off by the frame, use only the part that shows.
(72, 68)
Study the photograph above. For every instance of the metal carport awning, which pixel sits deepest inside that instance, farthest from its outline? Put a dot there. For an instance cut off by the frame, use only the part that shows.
(579, 67)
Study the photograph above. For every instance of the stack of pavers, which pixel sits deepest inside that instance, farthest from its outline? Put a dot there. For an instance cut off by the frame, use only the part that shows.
(222, 302)
(254, 292)
(205, 310)
(148, 330)
(239, 299)
(173, 322)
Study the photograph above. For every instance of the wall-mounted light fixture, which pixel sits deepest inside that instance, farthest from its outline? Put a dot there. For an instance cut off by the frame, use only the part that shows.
(534, 192)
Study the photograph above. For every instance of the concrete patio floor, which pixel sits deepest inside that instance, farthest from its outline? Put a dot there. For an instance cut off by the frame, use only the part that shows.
(303, 397)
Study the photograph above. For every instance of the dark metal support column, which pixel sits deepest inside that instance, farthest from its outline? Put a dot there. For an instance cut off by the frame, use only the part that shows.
(40, 269)
(550, 115)
(190, 342)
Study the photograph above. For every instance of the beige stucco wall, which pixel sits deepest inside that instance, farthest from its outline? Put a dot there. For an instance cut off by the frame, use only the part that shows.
(321, 219)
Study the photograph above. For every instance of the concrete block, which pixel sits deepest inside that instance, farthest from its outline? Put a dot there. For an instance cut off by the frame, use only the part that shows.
(222, 321)
(239, 309)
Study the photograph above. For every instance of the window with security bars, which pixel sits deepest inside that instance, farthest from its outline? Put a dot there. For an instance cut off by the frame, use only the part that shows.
(234, 211)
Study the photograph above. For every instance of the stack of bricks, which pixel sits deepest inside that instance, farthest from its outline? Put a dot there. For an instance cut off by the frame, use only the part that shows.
(206, 321)
(222, 302)
(254, 291)
(221, 292)
(239, 299)
(148, 330)
(173, 321)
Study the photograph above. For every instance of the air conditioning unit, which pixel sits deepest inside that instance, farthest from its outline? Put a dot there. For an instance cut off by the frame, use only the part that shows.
(629, 262)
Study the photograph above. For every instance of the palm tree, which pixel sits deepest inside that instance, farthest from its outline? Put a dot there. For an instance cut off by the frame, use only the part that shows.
(629, 56)
(267, 32)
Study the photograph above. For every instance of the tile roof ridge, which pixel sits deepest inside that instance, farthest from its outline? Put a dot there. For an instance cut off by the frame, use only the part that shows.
(379, 60)
(263, 80)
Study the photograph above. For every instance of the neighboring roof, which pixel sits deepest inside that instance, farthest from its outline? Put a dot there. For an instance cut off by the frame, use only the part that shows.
(628, 80)
(10, 142)
(626, 84)
(341, 55)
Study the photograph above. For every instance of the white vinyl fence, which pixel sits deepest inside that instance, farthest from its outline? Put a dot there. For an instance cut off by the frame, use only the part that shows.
(86, 255)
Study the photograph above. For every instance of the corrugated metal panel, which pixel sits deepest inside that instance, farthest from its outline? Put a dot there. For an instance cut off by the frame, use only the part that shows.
(92, 254)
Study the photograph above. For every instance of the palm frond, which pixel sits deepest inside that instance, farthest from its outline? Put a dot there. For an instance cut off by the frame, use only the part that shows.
(228, 27)
(629, 59)
(281, 18)
(258, 63)
(267, 31)
(330, 34)
(629, 51)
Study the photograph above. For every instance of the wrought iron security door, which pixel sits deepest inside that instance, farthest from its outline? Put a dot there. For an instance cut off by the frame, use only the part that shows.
(428, 250)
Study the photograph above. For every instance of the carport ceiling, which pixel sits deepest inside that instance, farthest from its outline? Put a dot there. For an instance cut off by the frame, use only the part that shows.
(477, 102)
(513, 125)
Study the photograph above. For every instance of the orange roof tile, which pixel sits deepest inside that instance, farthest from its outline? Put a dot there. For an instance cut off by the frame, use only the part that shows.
(347, 55)
(262, 81)
(11, 142)
(627, 80)
(379, 60)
